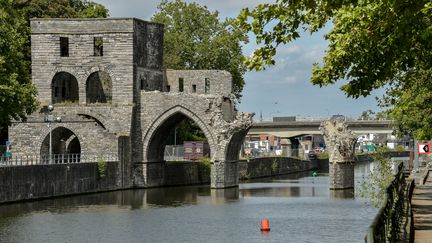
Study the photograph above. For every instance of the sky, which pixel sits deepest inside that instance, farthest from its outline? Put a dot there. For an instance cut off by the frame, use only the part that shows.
(283, 89)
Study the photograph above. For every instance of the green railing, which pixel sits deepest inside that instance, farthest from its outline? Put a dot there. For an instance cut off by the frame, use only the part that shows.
(387, 224)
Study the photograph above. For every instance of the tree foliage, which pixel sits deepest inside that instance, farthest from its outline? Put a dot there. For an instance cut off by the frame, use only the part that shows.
(17, 94)
(374, 187)
(195, 38)
(372, 44)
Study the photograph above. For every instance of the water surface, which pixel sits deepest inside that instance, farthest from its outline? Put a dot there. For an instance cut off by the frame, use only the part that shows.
(300, 209)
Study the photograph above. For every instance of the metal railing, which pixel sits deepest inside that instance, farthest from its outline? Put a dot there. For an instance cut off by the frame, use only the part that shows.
(294, 153)
(387, 224)
(174, 153)
(24, 160)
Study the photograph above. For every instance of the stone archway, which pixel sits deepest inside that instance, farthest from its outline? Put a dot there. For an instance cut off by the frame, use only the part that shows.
(66, 146)
(64, 88)
(157, 134)
(99, 88)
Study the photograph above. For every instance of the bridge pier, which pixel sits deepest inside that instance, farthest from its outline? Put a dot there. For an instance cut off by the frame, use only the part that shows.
(340, 142)
(341, 175)
(224, 174)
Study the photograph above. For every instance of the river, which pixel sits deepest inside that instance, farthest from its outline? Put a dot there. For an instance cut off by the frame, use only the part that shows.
(300, 208)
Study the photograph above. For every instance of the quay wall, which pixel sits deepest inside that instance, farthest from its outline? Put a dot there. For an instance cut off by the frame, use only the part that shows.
(19, 183)
(273, 166)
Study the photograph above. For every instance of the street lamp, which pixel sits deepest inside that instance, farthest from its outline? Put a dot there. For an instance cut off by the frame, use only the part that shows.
(49, 118)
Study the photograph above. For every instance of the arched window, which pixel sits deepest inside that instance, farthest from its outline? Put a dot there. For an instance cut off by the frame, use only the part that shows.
(99, 88)
(64, 88)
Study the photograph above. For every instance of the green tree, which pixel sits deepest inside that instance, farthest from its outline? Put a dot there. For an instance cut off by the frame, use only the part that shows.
(17, 94)
(372, 44)
(367, 115)
(195, 38)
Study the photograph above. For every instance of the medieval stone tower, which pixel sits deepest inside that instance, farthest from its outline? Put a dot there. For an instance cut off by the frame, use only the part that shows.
(106, 81)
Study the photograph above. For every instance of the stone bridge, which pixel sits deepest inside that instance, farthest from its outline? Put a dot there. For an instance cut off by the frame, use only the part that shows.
(106, 81)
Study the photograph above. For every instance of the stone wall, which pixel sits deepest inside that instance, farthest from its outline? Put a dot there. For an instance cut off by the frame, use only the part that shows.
(117, 59)
(266, 167)
(186, 173)
(139, 108)
(344, 176)
(42, 181)
(219, 82)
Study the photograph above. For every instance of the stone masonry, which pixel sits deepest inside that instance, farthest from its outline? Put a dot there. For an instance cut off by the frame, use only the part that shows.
(106, 80)
(340, 142)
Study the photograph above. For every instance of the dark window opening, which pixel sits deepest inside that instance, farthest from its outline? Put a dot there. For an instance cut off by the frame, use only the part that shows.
(64, 46)
(207, 85)
(99, 88)
(193, 88)
(142, 84)
(168, 88)
(64, 87)
(181, 84)
(98, 46)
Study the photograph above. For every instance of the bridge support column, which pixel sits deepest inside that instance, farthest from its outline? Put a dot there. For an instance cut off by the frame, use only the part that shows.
(224, 174)
(341, 175)
(340, 142)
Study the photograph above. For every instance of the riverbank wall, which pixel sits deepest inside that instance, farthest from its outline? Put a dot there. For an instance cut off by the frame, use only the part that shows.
(18, 183)
(323, 164)
(21, 183)
(273, 166)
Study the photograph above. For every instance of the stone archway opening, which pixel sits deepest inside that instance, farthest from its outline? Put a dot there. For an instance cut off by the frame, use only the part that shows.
(178, 138)
(66, 147)
(64, 88)
(178, 151)
(99, 88)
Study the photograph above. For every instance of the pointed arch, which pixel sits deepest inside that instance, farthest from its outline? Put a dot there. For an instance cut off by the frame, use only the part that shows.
(155, 138)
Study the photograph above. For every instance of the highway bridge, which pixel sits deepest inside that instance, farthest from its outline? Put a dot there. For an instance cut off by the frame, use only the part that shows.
(289, 129)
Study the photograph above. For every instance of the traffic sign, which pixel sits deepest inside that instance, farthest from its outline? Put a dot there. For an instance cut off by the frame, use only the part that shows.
(8, 143)
(424, 148)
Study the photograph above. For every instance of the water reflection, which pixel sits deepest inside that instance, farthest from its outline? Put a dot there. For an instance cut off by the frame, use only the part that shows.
(292, 185)
(342, 194)
(296, 204)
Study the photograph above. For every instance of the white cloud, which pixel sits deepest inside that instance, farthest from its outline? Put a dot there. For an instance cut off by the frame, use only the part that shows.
(287, 82)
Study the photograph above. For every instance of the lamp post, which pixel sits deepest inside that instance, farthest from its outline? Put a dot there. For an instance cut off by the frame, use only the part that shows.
(49, 118)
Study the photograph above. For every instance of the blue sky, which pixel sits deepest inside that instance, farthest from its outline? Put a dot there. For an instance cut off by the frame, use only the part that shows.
(280, 90)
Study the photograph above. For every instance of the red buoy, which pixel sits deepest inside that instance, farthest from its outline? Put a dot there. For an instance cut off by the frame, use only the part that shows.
(265, 225)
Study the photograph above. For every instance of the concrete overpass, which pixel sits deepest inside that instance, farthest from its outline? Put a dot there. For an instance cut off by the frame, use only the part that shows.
(289, 129)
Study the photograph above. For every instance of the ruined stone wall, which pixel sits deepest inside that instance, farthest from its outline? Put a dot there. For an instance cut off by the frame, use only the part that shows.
(220, 81)
(97, 128)
(148, 55)
(27, 138)
(132, 58)
(117, 59)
